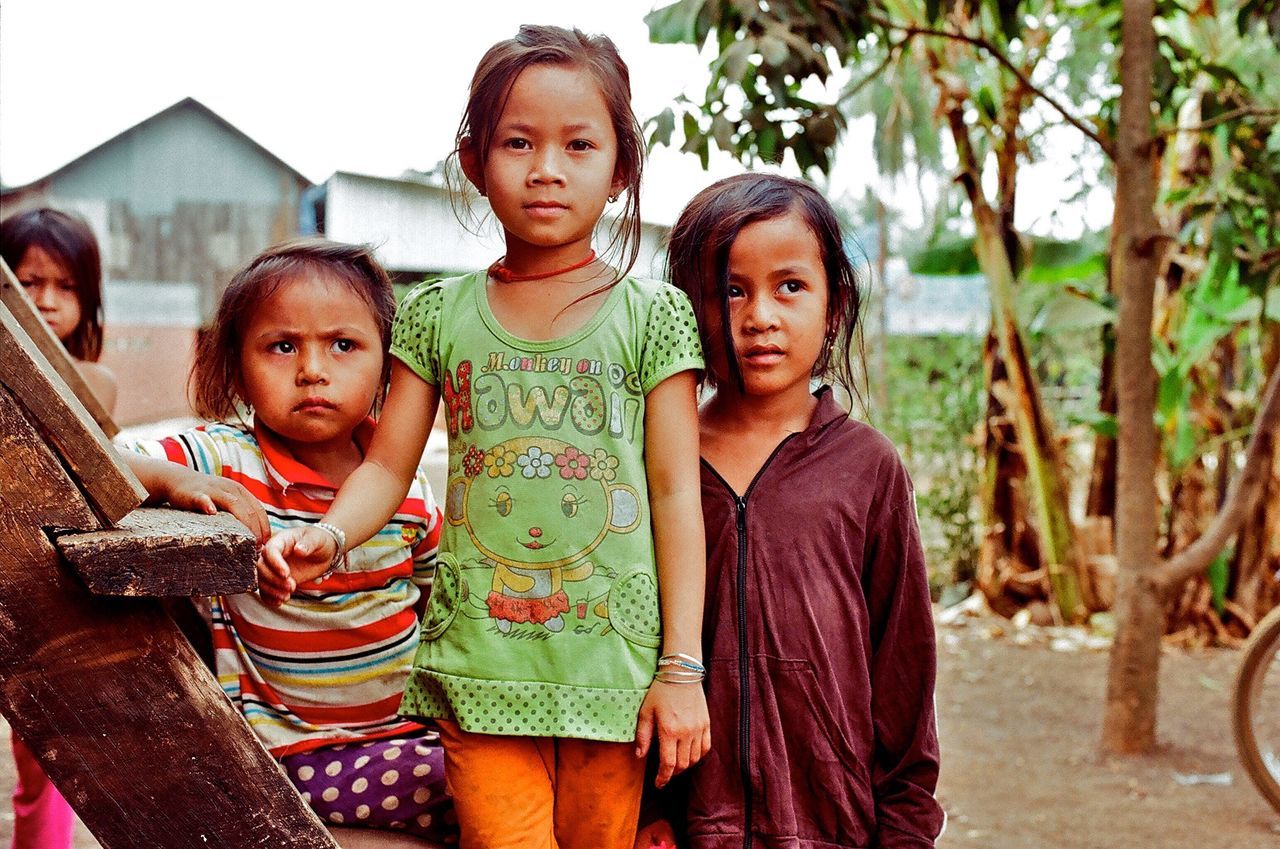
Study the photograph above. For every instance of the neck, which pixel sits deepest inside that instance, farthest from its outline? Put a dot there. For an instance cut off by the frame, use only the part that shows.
(523, 259)
(333, 459)
(780, 413)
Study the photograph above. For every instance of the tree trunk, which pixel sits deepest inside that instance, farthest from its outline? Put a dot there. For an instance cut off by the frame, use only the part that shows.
(1046, 484)
(1129, 721)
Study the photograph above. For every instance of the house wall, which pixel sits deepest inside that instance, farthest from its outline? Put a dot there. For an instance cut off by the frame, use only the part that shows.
(178, 203)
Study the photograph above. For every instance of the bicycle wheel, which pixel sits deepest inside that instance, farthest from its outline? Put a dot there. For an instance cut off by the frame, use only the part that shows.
(1255, 715)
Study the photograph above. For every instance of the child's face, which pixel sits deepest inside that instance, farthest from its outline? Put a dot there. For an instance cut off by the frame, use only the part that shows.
(551, 164)
(777, 308)
(311, 362)
(51, 286)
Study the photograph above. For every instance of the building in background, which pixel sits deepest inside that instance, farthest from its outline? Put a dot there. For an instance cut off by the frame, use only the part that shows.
(178, 202)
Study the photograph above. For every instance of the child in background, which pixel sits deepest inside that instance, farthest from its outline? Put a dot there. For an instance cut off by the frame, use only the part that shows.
(573, 543)
(55, 257)
(300, 340)
(818, 634)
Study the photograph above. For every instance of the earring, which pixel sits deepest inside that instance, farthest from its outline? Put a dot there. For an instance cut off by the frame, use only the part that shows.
(613, 198)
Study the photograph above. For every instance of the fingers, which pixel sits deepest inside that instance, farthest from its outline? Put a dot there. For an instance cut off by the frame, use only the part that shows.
(668, 748)
(644, 730)
(236, 500)
(275, 552)
(273, 588)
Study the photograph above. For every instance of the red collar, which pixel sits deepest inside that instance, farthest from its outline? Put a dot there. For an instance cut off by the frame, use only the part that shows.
(284, 470)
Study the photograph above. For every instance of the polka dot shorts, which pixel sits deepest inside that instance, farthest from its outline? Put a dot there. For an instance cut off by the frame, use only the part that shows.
(393, 784)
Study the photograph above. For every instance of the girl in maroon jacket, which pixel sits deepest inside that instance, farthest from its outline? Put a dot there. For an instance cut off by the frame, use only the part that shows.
(818, 639)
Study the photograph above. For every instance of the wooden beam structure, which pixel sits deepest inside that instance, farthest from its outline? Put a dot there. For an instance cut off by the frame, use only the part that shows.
(157, 553)
(62, 421)
(113, 701)
(15, 297)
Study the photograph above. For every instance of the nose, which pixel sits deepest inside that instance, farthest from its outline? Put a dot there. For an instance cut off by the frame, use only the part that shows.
(310, 366)
(760, 314)
(45, 297)
(535, 532)
(547, 167)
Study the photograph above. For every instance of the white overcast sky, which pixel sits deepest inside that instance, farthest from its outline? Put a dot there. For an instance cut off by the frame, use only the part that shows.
(371, 86)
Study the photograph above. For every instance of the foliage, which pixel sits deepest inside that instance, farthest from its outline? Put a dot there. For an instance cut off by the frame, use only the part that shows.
(936, 408)
(1221, 191)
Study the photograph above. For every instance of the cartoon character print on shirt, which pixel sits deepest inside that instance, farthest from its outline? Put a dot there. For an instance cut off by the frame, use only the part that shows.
(536, 508)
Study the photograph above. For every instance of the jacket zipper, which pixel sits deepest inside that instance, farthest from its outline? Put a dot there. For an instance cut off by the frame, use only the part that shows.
(744, 674)
(744, 664)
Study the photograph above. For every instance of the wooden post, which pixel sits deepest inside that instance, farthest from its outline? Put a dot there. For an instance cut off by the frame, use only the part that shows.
(113, 701)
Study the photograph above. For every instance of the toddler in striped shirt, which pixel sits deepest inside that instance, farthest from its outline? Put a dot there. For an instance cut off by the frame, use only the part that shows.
(290, 375)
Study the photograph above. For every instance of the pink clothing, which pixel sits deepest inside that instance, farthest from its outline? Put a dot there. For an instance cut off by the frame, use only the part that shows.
(42, 819)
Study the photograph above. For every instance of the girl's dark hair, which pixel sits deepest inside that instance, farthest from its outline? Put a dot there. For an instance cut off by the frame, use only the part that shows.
(214, 384)
(698, 261)
(594, 54)
(67, 239)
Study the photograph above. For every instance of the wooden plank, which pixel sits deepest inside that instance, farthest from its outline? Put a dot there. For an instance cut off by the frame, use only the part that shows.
(111, 488)
(113, 701)
(161, 552)
(15, 297)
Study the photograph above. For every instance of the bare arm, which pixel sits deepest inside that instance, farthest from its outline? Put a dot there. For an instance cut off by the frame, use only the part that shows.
(187, 489)
(370, 494)
(102, 383)
(679, 711)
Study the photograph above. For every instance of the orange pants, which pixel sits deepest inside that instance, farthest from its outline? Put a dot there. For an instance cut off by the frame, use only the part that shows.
(542, 792)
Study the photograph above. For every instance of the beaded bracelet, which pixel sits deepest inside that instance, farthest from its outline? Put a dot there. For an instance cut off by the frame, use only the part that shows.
(680, 668)
(339, 561)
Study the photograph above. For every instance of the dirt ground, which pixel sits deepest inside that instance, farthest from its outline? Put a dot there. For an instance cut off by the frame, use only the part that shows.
(1020, 725)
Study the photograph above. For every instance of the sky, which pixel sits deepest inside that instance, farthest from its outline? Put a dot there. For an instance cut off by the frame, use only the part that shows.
(373, 87)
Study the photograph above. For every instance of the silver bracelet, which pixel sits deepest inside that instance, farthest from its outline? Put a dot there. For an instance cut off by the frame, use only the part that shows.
(339, 561)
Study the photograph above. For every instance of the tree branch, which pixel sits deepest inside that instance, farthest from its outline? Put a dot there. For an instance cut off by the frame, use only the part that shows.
(985, 44)
(894, 47)
(1196, 557)
(1241, 112)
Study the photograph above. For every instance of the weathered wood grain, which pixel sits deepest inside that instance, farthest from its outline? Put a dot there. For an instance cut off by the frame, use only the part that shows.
(13, 296)
(113, 701)
(159, 552)
(111, 488)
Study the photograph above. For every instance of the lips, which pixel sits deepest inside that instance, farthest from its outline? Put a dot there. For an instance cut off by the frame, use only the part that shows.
(545, 209)
(314, 403)
(763, 354)
(533, 545)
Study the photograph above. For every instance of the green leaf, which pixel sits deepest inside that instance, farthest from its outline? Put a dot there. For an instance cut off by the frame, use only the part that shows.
(664, 124)
(1183, 449)
(767, 145)
(1068, 310)
(675, 24)
(1217, 575)
(986, 103)
(1170, 392)
(948, 255)
(1102, 424)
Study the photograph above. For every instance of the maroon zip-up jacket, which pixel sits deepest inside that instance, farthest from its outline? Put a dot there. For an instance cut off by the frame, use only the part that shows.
(820, 651)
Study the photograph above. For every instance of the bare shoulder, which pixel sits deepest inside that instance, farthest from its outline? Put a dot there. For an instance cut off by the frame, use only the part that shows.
(102, 381)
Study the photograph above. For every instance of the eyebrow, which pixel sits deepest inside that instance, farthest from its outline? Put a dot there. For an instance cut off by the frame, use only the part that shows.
(521, 127)
(786, 271)
(293, 332)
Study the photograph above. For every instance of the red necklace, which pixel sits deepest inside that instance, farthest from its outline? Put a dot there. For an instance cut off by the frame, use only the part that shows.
(501, 273)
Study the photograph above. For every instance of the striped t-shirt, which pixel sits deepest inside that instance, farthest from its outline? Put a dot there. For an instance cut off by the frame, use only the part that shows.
(329, 666)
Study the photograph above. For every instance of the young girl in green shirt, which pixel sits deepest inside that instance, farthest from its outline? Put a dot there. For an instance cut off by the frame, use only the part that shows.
(573, 547)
